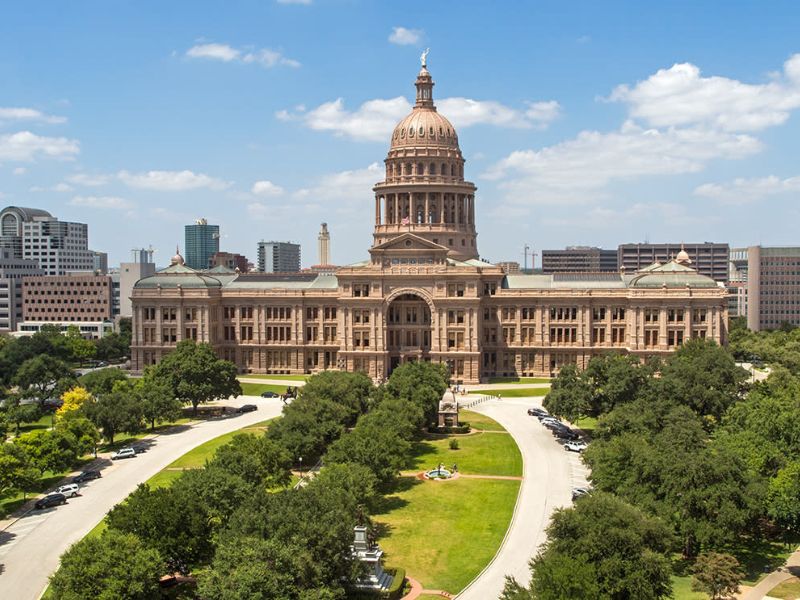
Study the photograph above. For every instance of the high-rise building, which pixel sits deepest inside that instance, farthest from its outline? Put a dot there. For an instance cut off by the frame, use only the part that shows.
(579, 259)
(12, 271)
(737, 283)
(67, 298)
(510, 267)
(773, 286)
(324, 241)
(709, 258)
(202, 242)
(60, 247)
(229, 260)
(129, 274)
(278, 257)
(100, 262)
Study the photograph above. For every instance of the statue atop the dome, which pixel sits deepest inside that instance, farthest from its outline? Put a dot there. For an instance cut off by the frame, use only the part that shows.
(423, 59)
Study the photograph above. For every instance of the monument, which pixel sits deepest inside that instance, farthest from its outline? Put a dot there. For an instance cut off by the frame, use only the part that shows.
(369, 554)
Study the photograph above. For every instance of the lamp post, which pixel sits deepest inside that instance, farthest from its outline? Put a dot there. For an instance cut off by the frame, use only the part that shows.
(300, 458)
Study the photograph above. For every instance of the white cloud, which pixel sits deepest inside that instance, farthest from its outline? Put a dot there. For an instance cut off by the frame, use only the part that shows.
(374, 120)
(742, 190)
(405, 37)
(575, 170)
(59, 187)
(266, 188)
(89, 180)
(104, 202)
(681, 96)
(28, 114)
(171, 181)
(20, 171)
(265, 57)
(27, 146)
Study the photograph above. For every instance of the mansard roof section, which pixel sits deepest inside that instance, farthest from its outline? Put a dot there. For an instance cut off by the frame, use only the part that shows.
(671, 274)
(178, 275)
(285, 281)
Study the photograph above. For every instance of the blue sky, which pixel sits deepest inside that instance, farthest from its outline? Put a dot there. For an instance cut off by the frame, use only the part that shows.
(581, 122)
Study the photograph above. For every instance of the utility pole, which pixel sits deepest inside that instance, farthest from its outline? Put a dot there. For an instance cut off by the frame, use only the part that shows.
(527, 250)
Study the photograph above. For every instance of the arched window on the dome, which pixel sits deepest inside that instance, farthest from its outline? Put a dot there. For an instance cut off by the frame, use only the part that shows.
(420, 169)
(452, 170)
(408, 168)
(443, 171)
(433, 214)
(432, 169)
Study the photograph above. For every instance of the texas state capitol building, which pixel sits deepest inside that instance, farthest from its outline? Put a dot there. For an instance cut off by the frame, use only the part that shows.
(424, 293)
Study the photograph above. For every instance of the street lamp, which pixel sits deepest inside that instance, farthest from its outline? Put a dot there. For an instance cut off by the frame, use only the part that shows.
(300, 458)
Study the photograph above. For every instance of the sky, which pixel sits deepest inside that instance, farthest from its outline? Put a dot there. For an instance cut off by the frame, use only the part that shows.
(582, 123)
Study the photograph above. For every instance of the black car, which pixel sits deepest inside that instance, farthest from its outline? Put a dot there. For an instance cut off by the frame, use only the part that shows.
(566, 434)
(86, 476)
(555, 425)
(246, 408)
(269, 394)
(538, 412)
(50, 500)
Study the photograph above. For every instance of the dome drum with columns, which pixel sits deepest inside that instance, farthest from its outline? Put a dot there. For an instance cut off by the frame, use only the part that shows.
(424, 191)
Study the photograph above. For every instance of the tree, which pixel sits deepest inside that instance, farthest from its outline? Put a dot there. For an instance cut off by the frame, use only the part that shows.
(196, 375)
(168, 519)
(72, 400)
(615, 379)
(83, 430)
(602, 548)
(718, 575)
(156, 401)
(112, 566)
(351, 390)
(117, 412)
(43, 377)
(80, 348)
(219, 491)
(783, 497)
(258, 460)
(307, 427)
(18, 413)
(570, 396)
(423, 383)
(102, 381)
(49, 450)
(16, 470)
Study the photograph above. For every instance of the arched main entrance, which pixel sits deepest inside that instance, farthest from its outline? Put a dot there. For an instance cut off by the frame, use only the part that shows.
(408, 330)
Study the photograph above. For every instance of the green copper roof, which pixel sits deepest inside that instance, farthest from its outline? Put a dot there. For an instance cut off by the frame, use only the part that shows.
(671, 274)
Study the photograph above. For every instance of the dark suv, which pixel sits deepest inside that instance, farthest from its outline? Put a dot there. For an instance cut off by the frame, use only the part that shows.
(50, 500)
(246, 408)
(86, 476)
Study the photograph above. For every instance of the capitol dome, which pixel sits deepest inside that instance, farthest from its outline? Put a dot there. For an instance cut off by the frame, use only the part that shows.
(424, 126)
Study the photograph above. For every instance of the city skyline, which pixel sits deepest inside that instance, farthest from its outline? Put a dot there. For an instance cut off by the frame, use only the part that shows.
(261, 120)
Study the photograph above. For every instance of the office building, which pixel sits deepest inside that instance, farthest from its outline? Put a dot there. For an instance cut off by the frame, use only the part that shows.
(709, 258)
(278, 257)
(12, 271)
(99, 262)
(67, 298)
(202, 242)
(579, 259)
(510, 267)
(229, 260)
(423, 294)
(60, 247)
(773, 287)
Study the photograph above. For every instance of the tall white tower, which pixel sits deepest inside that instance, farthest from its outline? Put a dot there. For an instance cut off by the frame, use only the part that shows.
(324, 242)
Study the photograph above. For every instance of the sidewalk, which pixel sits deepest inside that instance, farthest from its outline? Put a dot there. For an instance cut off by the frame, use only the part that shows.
(791, 568)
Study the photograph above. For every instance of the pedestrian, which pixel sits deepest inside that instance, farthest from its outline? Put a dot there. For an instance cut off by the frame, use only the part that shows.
(455, 468)
(498, 396)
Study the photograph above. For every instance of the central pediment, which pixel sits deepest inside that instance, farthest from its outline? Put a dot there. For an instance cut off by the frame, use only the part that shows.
(408, 242)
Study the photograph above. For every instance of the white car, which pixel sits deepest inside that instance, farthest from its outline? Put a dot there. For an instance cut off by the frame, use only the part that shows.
(549, 420)
(70, 490)
(575, 446)
(123, 453)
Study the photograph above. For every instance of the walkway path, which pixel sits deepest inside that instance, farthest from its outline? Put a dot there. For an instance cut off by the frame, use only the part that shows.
(791, 568)
(549, 474)
(30, 548)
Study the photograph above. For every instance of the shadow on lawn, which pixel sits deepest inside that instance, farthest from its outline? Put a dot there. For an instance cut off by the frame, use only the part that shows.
(391, 501)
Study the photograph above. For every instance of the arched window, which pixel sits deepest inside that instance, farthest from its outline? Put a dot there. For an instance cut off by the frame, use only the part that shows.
(432, 169)
(420, 169)
(408, 168)
(444, 169)
(452, 170)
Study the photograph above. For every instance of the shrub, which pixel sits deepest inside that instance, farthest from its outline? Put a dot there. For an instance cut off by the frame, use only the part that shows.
(453, 444)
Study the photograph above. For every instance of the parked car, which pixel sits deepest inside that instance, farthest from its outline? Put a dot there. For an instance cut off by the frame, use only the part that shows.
(70, 490)
(246, 408)
(575, 446)
(554, 425)
(269, 395)
(566, 434)
(536, 412)
(123, 453)
(86, 476)
(50, 500)
(549, 420)
(579, 492)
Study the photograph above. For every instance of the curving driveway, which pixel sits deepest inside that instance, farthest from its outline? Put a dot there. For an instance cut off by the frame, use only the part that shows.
(30, 548)
(549, 474)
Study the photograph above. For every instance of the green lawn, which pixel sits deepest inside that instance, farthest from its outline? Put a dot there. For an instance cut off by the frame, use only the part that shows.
(196, 458)
(519, 380)
(788, 590)
(481, 453)
(513, 392)
(588, 424)
(444, 533)
(44, 422)
(479, 421)
(256, 389)
(277, 377)
(682, 589)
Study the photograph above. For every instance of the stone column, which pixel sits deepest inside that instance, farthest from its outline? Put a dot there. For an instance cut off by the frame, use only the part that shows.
(427, 217)
(662, 328)
(458, 198)
(377, 209)
(441, 208)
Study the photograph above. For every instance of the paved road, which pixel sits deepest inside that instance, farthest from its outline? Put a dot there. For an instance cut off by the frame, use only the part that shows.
(31, 547)
(549, 474)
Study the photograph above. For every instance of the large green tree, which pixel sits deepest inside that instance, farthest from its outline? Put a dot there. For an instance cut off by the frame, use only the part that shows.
(258, 460)
(44, 377)
(101, 381)
(49, 449)
(420, 382)
(718, 575)
(570, 395)
(196, 375)
(307, 427)
(351, 390)
(117, 412)
(156, 400)
(17, 471)
(112, 566)
(601, 548)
